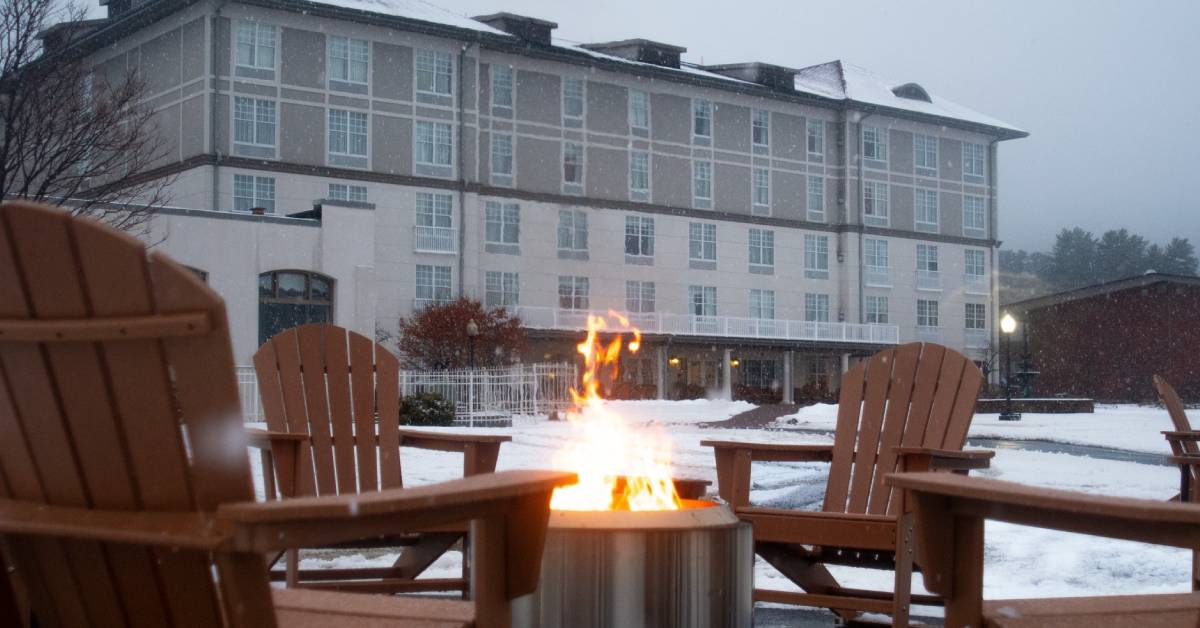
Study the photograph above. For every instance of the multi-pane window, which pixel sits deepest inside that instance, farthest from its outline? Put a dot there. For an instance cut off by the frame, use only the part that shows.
(639, 236)
(254, 121)
(572, 97)
(502, 223)
(433, 143)
(927, 313)
(702, 117)
(976, 316)
(875, 203)
(760, 373)
(973, 160)
(760, 127)
(927, 257)
(973, 262)
(876, 253)
(639, 171)
(348, 59)
(816, 254)
(344, 192)
(702, 300)
(250, 192)
(502, 154)
(762, 187)
(435, 72)
(433, 283)
(639, 109)
(762, 304)
(815, 131)
(816, 307)
(816, 197)
(702, 241)
(572, 230)
(762, 247)
(572, 163)
(925, 149)
(877, 310)
(702, 180)
(256, 45)
(435, 210)
(347, 133)
(572, 292)
(502, 86)
(974, 215)
(639, 297)
(927, 208)
(501, 289)
(874, 143)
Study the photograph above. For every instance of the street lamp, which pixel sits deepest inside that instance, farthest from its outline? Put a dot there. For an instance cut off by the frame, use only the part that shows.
(1008, 325)
(472, 332)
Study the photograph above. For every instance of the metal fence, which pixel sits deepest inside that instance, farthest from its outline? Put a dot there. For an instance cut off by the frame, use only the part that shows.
(480, 396)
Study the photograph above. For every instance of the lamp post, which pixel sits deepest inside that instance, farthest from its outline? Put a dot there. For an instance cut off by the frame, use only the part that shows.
(472, 332)
(1008, 325)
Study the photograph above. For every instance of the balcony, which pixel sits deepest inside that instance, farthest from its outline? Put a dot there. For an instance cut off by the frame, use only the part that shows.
(877, 277)
(977, 339)
(929, 280)
(927, 334)
(420, 303)
(976, 284)
(435, 239)
(719, 326)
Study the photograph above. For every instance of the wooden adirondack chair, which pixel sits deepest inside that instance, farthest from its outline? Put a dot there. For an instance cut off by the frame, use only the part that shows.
(1183, 441)
(125, 492)
(904, 408)
(949, 515)
(331, 385)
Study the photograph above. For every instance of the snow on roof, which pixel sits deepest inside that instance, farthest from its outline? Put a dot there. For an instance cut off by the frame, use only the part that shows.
(419, 10)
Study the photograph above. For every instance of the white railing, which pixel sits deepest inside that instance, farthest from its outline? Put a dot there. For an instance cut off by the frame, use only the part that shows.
(927, 334)
(723, 326)
(877, 276)
(248, 392)
(975, 284)
(435, 239)
(929, 280)
(977, 339)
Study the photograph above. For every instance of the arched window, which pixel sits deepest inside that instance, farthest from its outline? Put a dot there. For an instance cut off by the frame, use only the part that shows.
(287, 298)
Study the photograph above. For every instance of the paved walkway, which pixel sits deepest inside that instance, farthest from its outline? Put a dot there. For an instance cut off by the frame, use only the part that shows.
(759, 417)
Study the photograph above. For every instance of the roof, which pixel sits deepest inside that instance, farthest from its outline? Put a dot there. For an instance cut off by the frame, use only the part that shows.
(1108, 287)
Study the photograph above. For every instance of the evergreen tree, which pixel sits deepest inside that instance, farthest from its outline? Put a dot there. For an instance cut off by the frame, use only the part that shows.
(1179, 258)
(1072, 259)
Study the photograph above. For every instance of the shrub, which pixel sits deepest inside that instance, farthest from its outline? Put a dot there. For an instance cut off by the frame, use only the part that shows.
(427, 408)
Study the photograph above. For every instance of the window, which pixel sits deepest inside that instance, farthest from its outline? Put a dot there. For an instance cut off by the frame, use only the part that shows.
(877, 310)
(347, 133)
(639, 171)
(925, 149)
(874, 143)
(639, 236)
(639, 109)
(760, 128)
(254, 121)
(572, 230)
(573, 293)
(976, 316)
(762, 247)
(876, 253)
(256, 45)
(973, 262)
(816, 198)
(875, 203)
(974, 215)
(702, 300)
(502, 223)
(816, 308)
(927, 257)
(760, 373)
(927, 209)
(287, 298)
(501, 289)
(435, 72)
(572, 163)
(250, 192)
(502, 86)
(348, 59)
(702, 180)
(572, 97)
(762, 187)
(762, 304)
(702, 117)
(433, 284)
(815, 130)
(639, 297)
(502, 155)
(434, 210)
(927, 313)
(816, 256)
(433, 143)
(973, 160)
(702, 242)
(344, 192)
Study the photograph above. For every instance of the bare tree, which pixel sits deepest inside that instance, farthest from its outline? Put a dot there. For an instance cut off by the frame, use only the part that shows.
(69, 133)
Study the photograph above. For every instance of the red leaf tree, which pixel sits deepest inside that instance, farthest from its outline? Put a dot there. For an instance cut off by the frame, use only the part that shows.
(436, 337)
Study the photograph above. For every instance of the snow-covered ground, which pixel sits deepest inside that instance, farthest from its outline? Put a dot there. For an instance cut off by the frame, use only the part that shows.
(1021, 562)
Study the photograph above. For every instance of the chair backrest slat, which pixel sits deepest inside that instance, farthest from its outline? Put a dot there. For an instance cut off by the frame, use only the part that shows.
(387, 405)
(361, 355)
(904, 372)
(879, 377)
(846, 434)
(337, 371)
(312, 370)
(1179, 418)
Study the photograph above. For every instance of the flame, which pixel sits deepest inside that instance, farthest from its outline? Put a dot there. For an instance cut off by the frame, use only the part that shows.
(619, 467)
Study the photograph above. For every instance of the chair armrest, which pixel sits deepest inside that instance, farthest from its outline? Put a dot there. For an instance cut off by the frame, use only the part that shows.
(480, 451)
(1185, 436)
(932, 459)
(184, 530)
(1189, 460)
(734, 458)
(263, 439)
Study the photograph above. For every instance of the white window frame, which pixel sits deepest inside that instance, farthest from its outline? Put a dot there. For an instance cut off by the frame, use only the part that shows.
(351, 133)
(498, 70)
(760, 189)
(762, 304)
(639, 297)
(505, 220)
(975, 316)
(357, 56)
(572, 230)
(814, 134)
(973, 216)
(921, 209)
(574, 89)
(636, 111)
(978, 264)
(702, 241)
(436, 132)
(927, 258)
(262, 192)
(925, 151)
(501, 288)
(702, 300)
(816, 196)
(433, 72)
(702, 180)
(434, 284)
(262, 37)
(760, 119)
(634, 171)
(816, 307)
(702, 112)
(576, 292)
(639, 236)
(499, 153)
(576, 150)
(434, 209)
(263, 112)
(876, 205)
(347, 192)
(876, 254)
(928, 315)
(874, 144)
(761, 245)
(974, 159)
(816, 255)
(876, 310)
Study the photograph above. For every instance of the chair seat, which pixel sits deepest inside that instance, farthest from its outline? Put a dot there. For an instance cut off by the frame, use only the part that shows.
(833, 529)
(302, 608)
(1161, 610)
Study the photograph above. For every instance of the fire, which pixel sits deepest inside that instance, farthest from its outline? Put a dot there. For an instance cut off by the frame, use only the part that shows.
(619, 467)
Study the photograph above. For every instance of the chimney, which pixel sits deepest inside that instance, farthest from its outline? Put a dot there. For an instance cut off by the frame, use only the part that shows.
(528, 29)
(773, 76)
(641, 50)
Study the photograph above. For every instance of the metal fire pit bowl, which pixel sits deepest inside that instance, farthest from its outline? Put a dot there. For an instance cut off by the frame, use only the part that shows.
(688, 568)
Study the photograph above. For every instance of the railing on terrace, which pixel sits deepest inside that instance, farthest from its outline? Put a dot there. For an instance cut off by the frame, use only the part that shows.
(929, 280)
(435, 239)
(927, 334)
(877, 276)
(975, 284)
(977, 339)
(723, 326)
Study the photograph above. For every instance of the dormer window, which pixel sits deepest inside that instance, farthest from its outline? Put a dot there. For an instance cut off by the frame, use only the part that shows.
(912, 91)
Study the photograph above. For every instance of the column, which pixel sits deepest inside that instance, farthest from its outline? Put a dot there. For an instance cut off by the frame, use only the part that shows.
(789, 387)
(661, 370)
(727, 375)
(836, 384)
